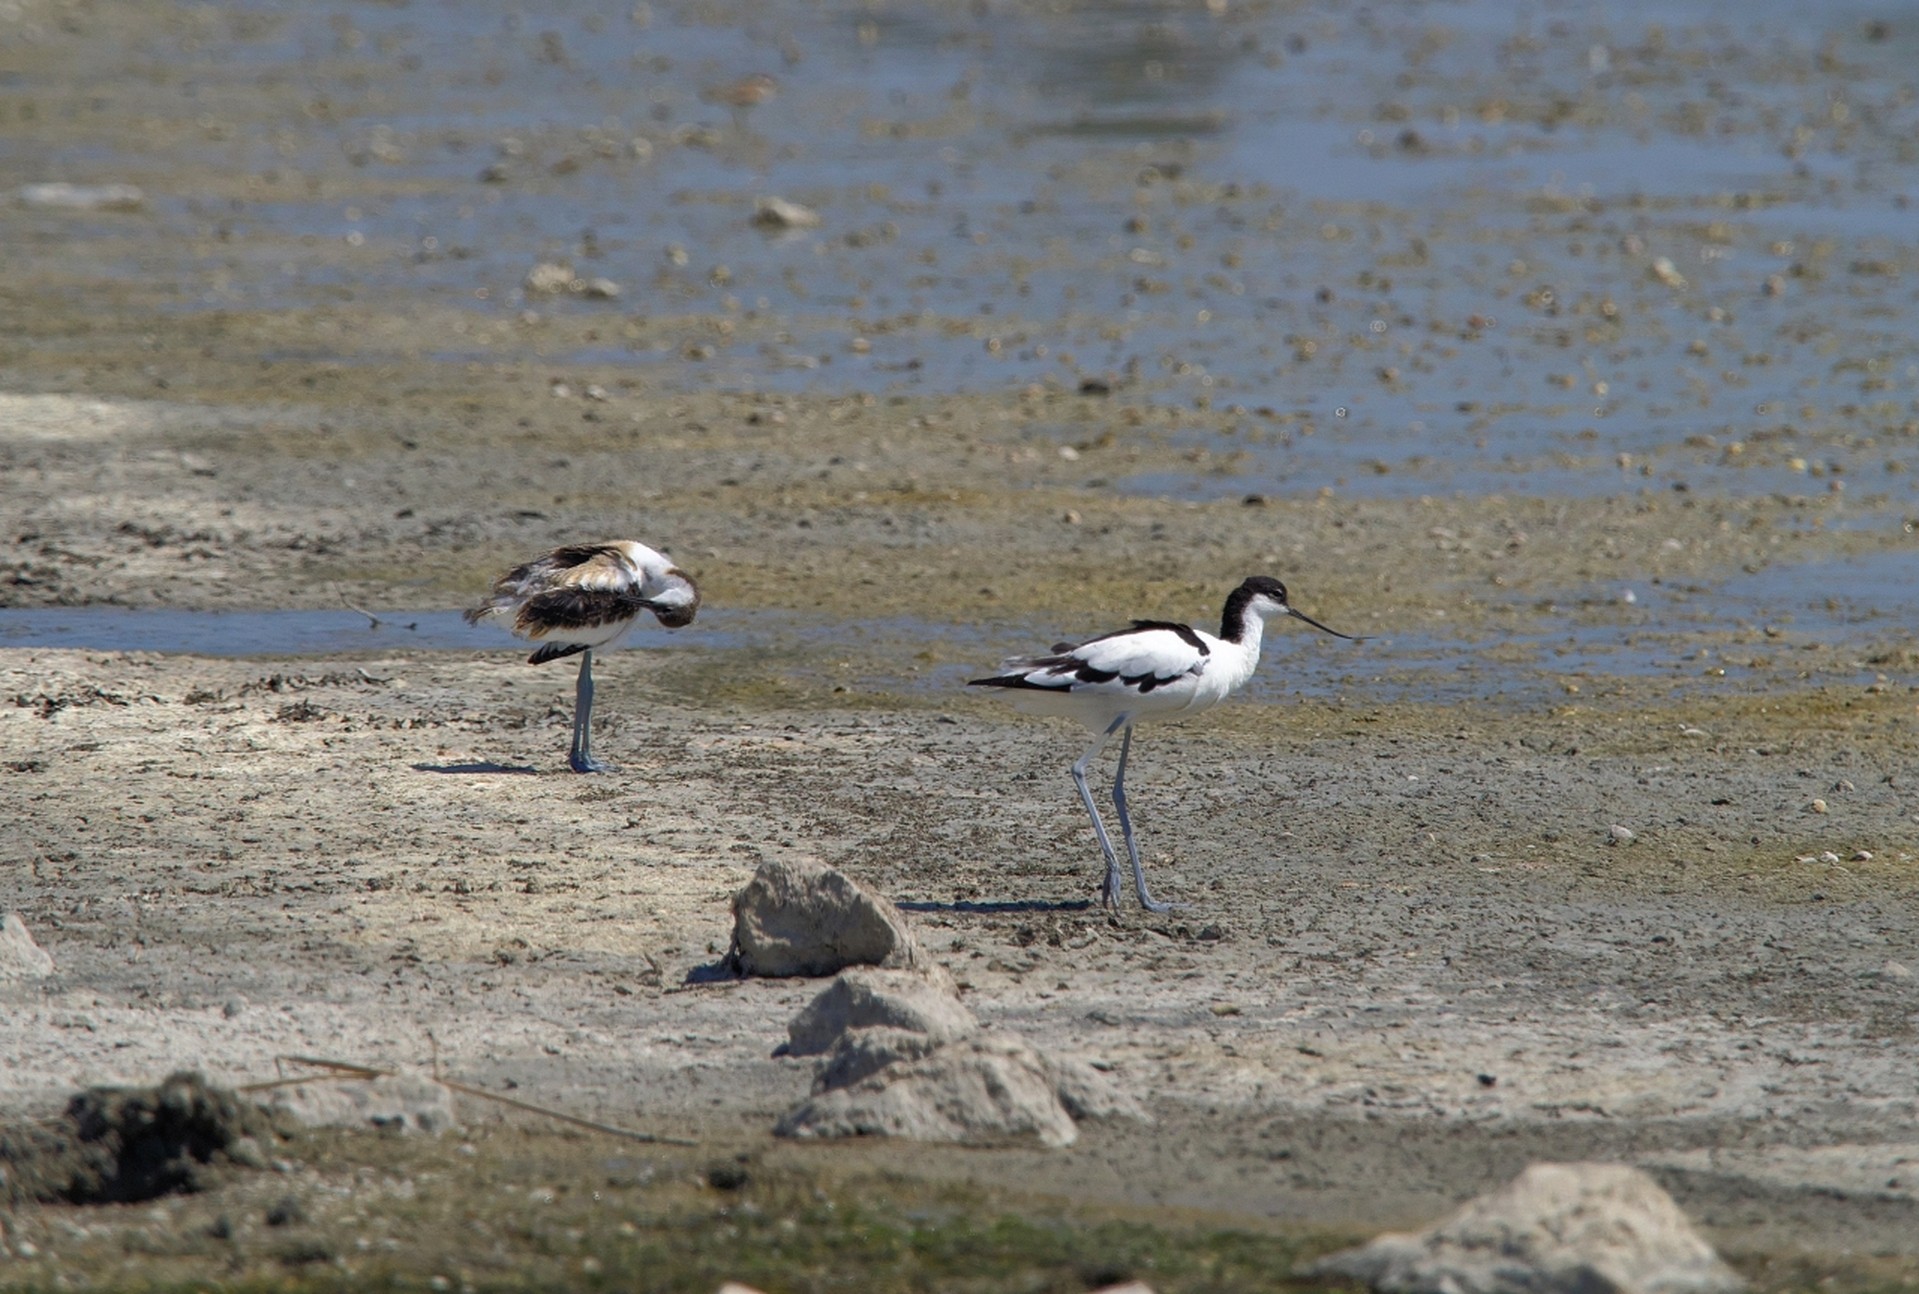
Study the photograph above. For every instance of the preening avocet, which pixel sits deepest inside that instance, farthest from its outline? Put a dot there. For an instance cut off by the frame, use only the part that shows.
(1154, 670)
(585, 596)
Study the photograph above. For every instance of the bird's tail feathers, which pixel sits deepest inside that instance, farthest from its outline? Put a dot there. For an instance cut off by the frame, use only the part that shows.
(554, 651)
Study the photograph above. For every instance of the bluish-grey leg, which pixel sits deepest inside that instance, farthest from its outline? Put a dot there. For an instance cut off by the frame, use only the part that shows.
(1109, 888)
(580, 758)
(1126, 829)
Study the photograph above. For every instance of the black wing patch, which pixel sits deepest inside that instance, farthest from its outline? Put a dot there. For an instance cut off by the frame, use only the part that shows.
(1183, 632)
(554, 651)
(576, 609)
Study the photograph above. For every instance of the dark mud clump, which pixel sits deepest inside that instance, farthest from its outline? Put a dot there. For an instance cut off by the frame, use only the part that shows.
(121, 1145)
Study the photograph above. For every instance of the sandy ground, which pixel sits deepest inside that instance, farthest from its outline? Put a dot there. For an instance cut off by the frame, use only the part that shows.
(1414, 953)
(1412, 958)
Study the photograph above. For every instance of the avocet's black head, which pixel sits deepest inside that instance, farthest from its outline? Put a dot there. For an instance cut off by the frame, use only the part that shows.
(1262, 595)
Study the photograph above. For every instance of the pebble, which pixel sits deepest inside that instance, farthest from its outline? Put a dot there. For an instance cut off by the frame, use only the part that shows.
(549, 277)
(82, 197)
(778, 213)
(1619, 835)
(1817, 806)
(1861, 856)
(1666, 272)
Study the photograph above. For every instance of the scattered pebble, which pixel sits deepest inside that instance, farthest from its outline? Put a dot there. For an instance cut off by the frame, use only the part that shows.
(549, 277)
(82, 197)
(1666, 272)
(1619, 835)
(1861, 856)
(778, 213)
(1817, 806)
(553, 278)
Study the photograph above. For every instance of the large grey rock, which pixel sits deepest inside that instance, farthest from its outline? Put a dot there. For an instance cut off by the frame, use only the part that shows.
(403, 1102)
(20, 957)
(801, 917)
(864, 998)
(977, 1091)
(1554, 1229)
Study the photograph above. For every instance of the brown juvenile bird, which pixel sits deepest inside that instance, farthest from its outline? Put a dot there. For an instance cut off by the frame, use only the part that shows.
(582, 596)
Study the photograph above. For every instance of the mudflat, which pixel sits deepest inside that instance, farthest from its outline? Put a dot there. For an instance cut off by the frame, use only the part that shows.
(1540, 871)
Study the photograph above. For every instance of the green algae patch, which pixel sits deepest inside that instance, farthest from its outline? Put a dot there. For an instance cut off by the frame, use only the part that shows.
(511, 1209)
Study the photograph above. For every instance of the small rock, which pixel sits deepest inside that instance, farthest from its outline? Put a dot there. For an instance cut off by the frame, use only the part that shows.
(862, 998)
(1896, 970)
(734, 1287)
(1666, 272)
(600, 290)
(20, 956)
(1554, 1229)
(395, 1102)
(778, 213)
(801, 917)
(1817, 806)
(730, 1175)
(980, 1091)
(550, 278)
(1618, 835)
(1087, 1093)
(1861, 856)
(82, 197)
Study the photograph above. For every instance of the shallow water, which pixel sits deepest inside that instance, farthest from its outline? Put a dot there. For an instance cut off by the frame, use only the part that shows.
(1419, 245)
(1633, 629)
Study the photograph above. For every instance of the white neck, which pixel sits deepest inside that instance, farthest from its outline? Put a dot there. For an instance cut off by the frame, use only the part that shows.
(1238, 660)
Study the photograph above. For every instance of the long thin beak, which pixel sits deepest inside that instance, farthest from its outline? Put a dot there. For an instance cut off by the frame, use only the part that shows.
(1301, 615)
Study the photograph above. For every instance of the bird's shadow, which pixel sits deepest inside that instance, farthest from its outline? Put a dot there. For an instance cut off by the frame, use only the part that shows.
(1021, 905)
(476, 767)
